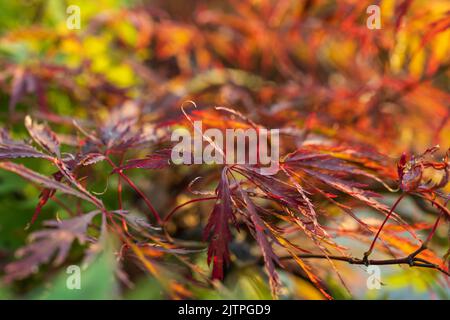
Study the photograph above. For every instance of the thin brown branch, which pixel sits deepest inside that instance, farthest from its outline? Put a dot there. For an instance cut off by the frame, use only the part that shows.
(410, 260)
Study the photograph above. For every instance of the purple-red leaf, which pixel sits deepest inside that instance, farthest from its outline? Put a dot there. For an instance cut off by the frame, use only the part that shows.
(44, 181)
(262, 237)
(10, 149)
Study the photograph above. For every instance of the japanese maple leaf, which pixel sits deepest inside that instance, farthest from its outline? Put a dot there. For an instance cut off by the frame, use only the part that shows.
(217, 228)
(54, 242)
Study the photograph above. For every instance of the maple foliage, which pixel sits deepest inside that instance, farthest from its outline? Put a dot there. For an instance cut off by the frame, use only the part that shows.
(361, 114)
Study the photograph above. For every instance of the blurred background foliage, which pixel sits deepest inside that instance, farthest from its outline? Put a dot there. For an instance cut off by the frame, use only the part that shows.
(162, 52)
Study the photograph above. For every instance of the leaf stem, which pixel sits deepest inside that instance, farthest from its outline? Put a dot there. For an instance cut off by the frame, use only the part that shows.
(135, 188)
(367, 254)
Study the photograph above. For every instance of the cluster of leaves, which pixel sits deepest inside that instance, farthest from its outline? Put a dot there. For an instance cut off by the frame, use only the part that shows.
(348, 101)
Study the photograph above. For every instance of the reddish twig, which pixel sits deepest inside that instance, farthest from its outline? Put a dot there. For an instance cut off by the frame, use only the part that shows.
(368, 253)
(135, 188)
